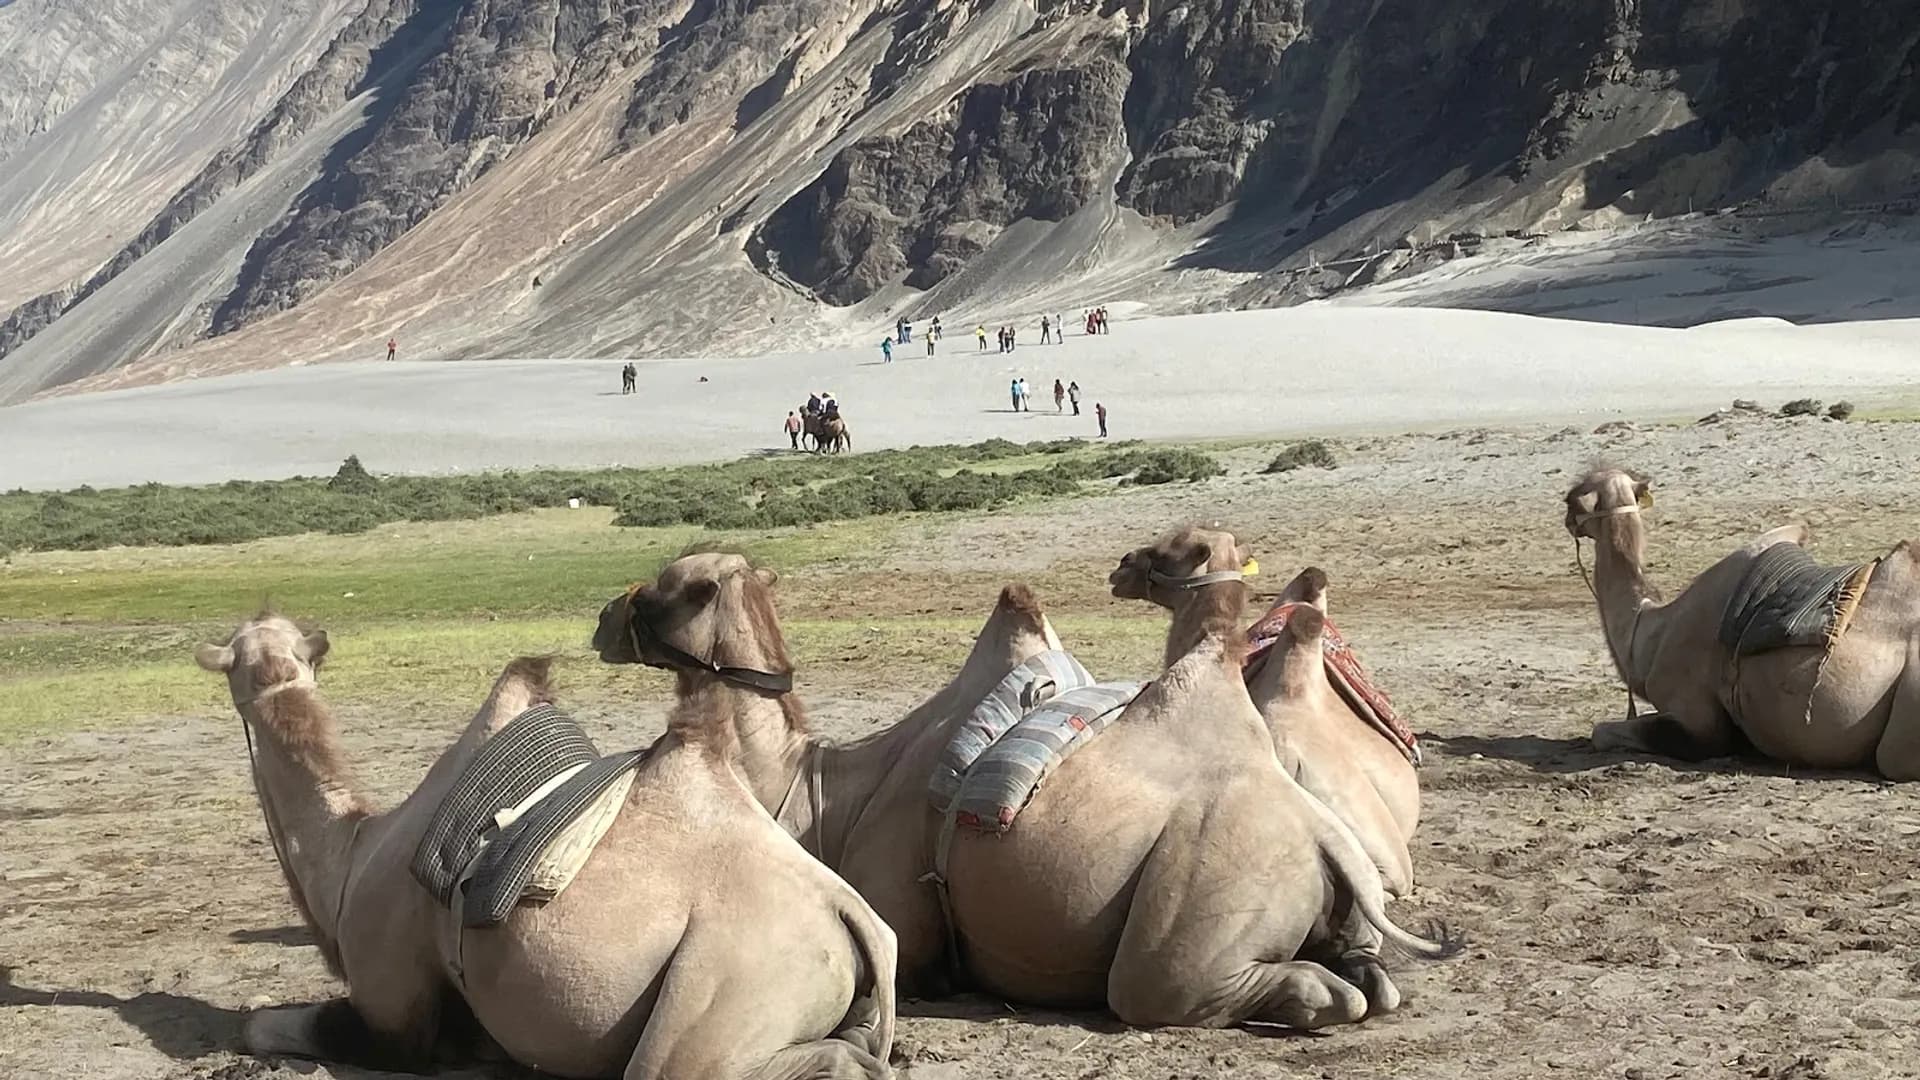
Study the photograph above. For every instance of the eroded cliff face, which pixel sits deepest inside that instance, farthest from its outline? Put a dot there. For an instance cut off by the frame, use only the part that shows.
(768, 153)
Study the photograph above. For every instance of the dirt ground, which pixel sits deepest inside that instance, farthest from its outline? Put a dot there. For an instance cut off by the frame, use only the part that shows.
(1626, 918)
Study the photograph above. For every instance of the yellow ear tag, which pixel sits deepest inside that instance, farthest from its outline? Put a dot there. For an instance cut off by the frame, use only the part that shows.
(1252, 569)
(1646, 499)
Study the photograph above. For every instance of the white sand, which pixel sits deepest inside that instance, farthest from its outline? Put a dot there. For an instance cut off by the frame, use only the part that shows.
(1294, 371)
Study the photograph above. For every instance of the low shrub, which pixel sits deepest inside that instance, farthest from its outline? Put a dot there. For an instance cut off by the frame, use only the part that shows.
(1805, 406)
(1301, 455)
(1841, 410)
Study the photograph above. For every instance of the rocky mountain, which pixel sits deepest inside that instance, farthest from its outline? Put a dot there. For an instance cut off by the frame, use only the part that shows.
(191, 186)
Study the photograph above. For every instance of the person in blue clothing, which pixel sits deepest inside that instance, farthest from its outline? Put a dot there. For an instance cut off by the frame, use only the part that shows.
(886, 350)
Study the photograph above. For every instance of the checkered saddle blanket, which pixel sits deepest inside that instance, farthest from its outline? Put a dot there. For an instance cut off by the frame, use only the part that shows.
(1786, 598)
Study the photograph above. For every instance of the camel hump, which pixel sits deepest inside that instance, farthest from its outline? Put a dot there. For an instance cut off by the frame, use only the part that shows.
(1309, 586)
(1307, 625)
(1019, 602)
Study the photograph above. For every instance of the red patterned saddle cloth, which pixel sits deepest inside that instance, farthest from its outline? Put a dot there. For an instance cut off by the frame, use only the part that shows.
(1344, 670)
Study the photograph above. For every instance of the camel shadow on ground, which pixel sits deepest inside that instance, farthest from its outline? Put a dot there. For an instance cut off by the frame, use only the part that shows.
(981, 1008)
(1563, 756)
(290, 936)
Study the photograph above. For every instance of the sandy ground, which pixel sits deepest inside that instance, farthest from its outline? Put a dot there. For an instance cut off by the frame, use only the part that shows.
(1627, 918)
(1316, 369)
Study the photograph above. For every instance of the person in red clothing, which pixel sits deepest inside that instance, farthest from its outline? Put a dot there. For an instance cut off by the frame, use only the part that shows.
(793, 428)
(392, 347)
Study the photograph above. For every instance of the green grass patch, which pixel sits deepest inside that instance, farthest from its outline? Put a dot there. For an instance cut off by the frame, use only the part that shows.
(1311, 453)
(776, 491)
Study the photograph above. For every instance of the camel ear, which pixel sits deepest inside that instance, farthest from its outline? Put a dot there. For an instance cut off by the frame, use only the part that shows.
(766, 576)
(214, 658)
(1643, 494)
(317, 646)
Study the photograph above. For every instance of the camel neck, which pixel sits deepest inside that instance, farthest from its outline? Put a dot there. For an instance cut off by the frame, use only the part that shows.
(1208, 611)
(1624, 596)
(311, 811)
(815, 789)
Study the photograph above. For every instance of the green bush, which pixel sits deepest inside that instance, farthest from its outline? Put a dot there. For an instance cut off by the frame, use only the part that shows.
(1841, 410)
(1309, 454)
(1805, 406)
(750, 494)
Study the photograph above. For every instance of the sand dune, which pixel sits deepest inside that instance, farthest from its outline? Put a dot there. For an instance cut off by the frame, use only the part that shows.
(1317, 369)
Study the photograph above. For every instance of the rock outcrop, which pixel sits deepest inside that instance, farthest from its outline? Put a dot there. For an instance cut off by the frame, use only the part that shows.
(641, 157)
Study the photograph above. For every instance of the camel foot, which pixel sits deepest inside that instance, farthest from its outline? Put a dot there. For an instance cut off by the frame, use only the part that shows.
(829, 1059)
(331, 1031)
(1308, 997)
(1652, 733)
(1365, 971)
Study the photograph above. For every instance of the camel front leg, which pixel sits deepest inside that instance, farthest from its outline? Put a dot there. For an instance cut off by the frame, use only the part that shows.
(1692, 726)
(1898, 755)
(335, 1032)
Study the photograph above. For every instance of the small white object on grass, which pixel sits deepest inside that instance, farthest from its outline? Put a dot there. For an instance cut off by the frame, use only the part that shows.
(573, 504)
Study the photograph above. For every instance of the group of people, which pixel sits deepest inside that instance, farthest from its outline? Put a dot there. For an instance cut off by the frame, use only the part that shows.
(1063, 395)
(629, 377)
(1096, 321)
(820, 405)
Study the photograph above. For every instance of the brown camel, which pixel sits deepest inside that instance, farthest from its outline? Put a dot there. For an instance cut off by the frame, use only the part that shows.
(1341, 760)
(1169, 869)
(1850, 701)
(697, 939)
(829, 434)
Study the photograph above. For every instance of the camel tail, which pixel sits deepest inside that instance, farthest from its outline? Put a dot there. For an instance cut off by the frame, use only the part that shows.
(869, 1020)
(1351, 864)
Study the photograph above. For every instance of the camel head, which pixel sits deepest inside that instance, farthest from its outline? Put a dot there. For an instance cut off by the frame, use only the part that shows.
(1605, 493)
(1180, 561)
(708, 613)
(267, 651)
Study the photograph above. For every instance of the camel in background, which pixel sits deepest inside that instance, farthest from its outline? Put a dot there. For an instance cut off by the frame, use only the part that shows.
(1813, 666)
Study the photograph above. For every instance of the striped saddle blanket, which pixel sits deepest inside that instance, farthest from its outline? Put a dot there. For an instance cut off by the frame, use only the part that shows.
(1785, 598)
(1348, 675)
(522, 817)
(1037, 716)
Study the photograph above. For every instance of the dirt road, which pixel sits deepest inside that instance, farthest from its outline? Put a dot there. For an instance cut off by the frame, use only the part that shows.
(1627, 918)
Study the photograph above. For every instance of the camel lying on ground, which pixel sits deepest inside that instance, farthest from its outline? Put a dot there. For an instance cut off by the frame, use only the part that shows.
(696, 940)
(1361, 776)
(1812, 666)
(1170, 869)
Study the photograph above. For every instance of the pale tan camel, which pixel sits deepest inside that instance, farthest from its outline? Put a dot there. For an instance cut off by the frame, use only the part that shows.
(1328, 748)
(697, 940)
(1170, 869)
(1857, 706)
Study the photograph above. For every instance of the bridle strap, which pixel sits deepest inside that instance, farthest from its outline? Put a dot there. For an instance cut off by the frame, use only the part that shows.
(770, 682)
(1194, 581)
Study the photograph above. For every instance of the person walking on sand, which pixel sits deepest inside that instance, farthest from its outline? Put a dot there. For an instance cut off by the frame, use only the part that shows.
(392, 348)
(1059, 329)
(793, 428)
(930, 340)
(1073, 395)
(1100, 412)
(1026, 396)
(900, 330)
(1013, 391)
(1046, 330)
(981, 333)
(1059, 397)
(886, 350)
(935, 335)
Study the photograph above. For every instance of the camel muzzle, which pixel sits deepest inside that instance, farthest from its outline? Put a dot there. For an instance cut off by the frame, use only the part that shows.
(610, 639)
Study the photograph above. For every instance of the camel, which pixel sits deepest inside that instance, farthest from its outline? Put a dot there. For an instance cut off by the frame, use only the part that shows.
(830, 436)
(1169, 870)
(1850, 701)
(697, 939)
(1341, 760)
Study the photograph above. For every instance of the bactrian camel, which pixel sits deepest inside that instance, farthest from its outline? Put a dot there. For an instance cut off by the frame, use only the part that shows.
(1338, 757)
(1169, 870)
(697, 940)
(1853, 705)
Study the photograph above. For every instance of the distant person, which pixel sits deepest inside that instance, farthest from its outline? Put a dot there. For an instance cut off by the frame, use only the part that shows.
(1100, 411)
(900, 330)
(906, 332)
(1059, 397)
(629, 375)
(1073, 395)
(793, 428)
(392, 348)
(981, 333)
(1059, 329)
(813, 404)
(1026, 398)
(1013, 391)
(1013, 338)
(930, 340)
(1046, 330)
(886, 350)
(935, 329)
(828, 405)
